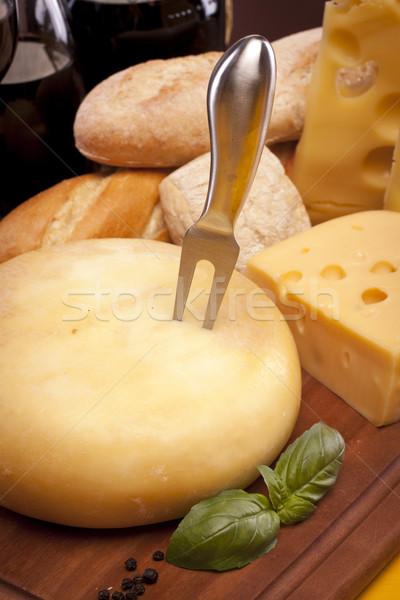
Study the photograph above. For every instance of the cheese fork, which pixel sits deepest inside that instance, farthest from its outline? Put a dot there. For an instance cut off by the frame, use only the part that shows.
(239, 103)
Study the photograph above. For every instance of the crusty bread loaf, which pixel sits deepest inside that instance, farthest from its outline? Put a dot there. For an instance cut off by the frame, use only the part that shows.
(112, 414)
(123, 203)
(272, 212)
(295, 58)
(154, 114)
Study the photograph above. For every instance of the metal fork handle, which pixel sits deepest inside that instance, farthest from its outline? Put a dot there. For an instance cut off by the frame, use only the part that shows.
(239, 103)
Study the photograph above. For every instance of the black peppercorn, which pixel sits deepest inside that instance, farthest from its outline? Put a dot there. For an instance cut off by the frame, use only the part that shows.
(103, 595)
(150, 576)
(118, 596)
(126, 583)
(131, 564)
(137, 578)
(158, 555)
(131, 595)
(139, 589)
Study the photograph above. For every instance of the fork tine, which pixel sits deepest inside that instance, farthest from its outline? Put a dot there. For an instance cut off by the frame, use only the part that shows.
(221, 251)
(185, 277)
(216, 296)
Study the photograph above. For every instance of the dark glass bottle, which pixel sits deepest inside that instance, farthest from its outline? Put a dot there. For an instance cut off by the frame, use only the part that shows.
(112, 35)
(39, 96)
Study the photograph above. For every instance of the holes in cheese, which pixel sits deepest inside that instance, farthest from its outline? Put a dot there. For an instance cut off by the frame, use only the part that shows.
(333, 272)
(376, 166)
(344, 46)
(357, 315)
(373, 296)
(344, 156)
(352, 82)
(383, 266)
(291, 277)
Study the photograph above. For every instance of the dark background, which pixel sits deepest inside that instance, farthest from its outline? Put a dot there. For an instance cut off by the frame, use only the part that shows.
(275, 18)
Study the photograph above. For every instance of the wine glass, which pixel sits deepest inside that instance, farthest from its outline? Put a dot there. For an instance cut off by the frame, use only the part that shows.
(39, 96)
(8, 34)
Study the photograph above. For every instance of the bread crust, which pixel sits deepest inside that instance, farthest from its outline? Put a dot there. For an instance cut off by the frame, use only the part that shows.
(120, 204)
(295, 57)
(154, 114)
(149, 115)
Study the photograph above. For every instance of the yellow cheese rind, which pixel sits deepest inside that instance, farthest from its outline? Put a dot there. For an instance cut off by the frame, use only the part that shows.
(338, 286)
(112, 414)
(344, 155)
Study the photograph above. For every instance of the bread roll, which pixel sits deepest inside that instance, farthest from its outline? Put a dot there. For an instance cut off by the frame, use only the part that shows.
(272, 212)
(112, 414)
(154, 114)
(120, 204)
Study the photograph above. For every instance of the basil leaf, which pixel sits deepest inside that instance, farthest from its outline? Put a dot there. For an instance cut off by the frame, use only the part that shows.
(225, 532)
(295, 509)
(309, 466)
(276, 488)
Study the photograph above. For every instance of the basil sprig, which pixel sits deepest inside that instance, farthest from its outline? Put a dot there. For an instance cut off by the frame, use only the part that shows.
(224, 532)
(304, 473)
(234, 528)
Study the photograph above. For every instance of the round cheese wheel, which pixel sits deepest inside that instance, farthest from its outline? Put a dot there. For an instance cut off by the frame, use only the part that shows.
(111, 413)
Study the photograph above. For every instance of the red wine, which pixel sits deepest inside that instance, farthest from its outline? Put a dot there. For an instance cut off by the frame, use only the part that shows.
(8, 32)
(111, 35)
(39, 97)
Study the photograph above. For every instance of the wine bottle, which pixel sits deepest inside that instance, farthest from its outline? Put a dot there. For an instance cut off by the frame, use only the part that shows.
(112, 35)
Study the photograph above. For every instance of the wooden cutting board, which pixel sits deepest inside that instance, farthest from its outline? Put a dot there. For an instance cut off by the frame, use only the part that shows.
(352, 535)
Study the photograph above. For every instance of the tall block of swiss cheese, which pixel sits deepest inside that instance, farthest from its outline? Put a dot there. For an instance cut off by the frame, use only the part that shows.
(344, 156)
(338, 286)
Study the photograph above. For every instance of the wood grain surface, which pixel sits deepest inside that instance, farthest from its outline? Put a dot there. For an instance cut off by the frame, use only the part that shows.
(352, 535)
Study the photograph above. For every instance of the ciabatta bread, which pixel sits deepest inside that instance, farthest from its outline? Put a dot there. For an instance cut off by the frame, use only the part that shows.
(154, 114)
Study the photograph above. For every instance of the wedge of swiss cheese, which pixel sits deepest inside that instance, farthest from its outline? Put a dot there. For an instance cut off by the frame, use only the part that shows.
(343, 160)
(338, 285)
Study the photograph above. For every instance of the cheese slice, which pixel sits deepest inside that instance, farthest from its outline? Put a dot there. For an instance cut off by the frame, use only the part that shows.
(343, 160)
(338, 285)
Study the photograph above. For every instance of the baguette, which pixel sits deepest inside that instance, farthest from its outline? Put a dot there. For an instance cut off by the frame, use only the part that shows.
(122, 204)
(154, 114)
